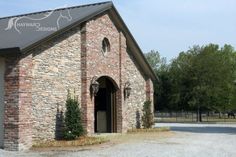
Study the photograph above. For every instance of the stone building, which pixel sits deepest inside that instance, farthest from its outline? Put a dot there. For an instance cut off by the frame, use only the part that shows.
(86, 48)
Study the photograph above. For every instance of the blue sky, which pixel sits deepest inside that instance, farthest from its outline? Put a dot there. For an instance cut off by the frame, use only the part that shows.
(168, 26)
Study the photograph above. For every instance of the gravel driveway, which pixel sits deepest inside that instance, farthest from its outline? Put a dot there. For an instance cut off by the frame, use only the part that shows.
(185, 140)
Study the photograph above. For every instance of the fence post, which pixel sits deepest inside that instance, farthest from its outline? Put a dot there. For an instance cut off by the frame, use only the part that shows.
(207, 116)
(224, 117)
(192, 116)
(176, 116)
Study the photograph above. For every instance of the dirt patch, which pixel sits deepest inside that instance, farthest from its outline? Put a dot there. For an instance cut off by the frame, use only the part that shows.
(160, 129)
(109, 140)
(139, 136)
(62, 144)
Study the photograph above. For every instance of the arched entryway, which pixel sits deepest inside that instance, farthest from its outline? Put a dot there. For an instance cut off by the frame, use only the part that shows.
(105, 106)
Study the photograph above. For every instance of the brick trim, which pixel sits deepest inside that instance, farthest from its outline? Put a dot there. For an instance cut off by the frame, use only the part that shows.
(84, 75)
(18, 99)
(148, 90)
(120, 91)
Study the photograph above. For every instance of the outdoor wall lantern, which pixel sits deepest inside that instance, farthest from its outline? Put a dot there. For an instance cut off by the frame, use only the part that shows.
(127, 89)
(94, 86)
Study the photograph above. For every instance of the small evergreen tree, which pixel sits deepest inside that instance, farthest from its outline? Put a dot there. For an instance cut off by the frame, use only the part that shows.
(73, 122)
(147, 118)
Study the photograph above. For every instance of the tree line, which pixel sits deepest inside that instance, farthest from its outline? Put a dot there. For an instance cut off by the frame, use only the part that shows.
(202, 78)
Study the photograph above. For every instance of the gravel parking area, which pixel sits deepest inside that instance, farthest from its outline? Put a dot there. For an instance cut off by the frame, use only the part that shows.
(185, 140)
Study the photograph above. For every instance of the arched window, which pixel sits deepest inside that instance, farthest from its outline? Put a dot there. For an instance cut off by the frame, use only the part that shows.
(105, 45)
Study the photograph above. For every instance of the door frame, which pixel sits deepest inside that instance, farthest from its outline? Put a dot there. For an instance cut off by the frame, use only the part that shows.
(111, 98)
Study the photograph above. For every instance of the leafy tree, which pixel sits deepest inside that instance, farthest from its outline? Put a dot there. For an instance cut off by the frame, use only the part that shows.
(203, 78)
(200, 79)
(161, 87)
(154, 59)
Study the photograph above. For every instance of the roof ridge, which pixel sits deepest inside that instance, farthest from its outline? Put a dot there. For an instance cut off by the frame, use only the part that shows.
(45, 11)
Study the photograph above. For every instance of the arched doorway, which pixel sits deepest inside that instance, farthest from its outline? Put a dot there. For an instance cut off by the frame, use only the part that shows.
(105, 106)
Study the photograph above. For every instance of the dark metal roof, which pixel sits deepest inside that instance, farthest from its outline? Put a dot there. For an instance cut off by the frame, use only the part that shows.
(24, 30)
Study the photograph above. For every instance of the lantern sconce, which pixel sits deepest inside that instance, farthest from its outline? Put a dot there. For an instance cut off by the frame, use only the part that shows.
(127, 89)
(94, 86)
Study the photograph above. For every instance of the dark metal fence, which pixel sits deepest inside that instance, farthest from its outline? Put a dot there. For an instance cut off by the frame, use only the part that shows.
(185, 117)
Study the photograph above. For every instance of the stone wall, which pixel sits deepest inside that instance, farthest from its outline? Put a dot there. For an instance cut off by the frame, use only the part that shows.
(134, 104)
(56, 68)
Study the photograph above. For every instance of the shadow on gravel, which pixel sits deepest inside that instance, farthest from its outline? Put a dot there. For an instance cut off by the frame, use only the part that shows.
(223, 130)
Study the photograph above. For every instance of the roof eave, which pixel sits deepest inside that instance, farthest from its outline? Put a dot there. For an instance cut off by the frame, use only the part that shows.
(75, 24)
(13, 51)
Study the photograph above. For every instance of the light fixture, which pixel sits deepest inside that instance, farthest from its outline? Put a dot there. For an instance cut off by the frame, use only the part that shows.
(127, 89)
(94, 86)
